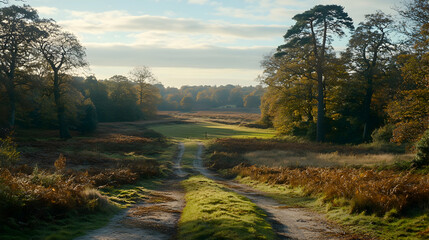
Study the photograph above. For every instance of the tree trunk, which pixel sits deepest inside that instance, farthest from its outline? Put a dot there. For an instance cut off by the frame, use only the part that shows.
(367, 108)
(64, 131)
(12, 105)
(141, 95)
(320, 134)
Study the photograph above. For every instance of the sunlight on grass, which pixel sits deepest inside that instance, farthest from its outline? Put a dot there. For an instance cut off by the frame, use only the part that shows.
(213, 212)
(280, 158)
(211, 130)
(127, 195)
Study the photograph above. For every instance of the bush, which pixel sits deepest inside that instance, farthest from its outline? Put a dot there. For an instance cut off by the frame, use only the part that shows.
(422, 147)
(8, 152)
(383, 134)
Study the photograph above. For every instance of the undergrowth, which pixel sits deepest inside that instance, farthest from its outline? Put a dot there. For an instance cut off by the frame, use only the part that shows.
(415, 225)
(368, 190)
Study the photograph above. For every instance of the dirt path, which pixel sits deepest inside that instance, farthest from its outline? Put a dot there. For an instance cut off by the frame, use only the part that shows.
(177, 168)
(155, 219)
(289, 222)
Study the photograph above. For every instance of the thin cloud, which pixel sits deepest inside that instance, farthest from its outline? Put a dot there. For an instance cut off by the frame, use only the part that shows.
(209, 57)
(201, 2)
(284, 10)
(47, 10)
(120, 21)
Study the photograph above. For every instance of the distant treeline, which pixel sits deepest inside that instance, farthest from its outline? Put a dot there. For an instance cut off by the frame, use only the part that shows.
(189, 98)
(88, 101)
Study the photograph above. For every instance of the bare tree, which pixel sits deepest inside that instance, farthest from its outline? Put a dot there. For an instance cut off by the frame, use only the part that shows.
(142, 75)
(63, 52)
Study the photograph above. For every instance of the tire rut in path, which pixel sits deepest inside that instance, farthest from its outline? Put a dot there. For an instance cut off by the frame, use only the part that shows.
(155, 219)
(288, 222)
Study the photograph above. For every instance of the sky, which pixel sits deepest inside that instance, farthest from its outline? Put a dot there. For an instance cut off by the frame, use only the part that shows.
(187, 42)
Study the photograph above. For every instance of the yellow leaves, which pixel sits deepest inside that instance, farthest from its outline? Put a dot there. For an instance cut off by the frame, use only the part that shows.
(410, 114)
(60, 163)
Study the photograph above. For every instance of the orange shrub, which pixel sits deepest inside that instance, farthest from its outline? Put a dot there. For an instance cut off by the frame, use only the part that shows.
(39, 195)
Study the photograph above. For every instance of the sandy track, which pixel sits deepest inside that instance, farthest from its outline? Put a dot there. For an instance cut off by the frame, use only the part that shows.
(177, 168)
(288, 222)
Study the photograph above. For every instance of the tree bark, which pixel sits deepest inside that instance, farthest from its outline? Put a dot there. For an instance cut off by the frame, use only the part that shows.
(64, 131)
(141, 94)
(367, 108)
(12, 106)
(320, 134)
(320, 58)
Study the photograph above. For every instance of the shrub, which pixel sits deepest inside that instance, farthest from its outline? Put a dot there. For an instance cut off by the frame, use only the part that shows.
(60, 163)
(422, 147)
(41, 195)
(383, 134)
(8, 152)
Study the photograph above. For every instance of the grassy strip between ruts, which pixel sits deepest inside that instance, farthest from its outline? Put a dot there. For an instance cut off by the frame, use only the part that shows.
(213, 212)
(413, 226)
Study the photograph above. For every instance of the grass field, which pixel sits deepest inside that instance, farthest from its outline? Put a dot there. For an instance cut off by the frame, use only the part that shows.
(213, 212)
(209, 130)
(290, 158)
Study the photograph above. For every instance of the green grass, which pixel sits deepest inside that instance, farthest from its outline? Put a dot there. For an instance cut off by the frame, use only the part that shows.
(415, 225)
(214, 130)
(213, 212)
